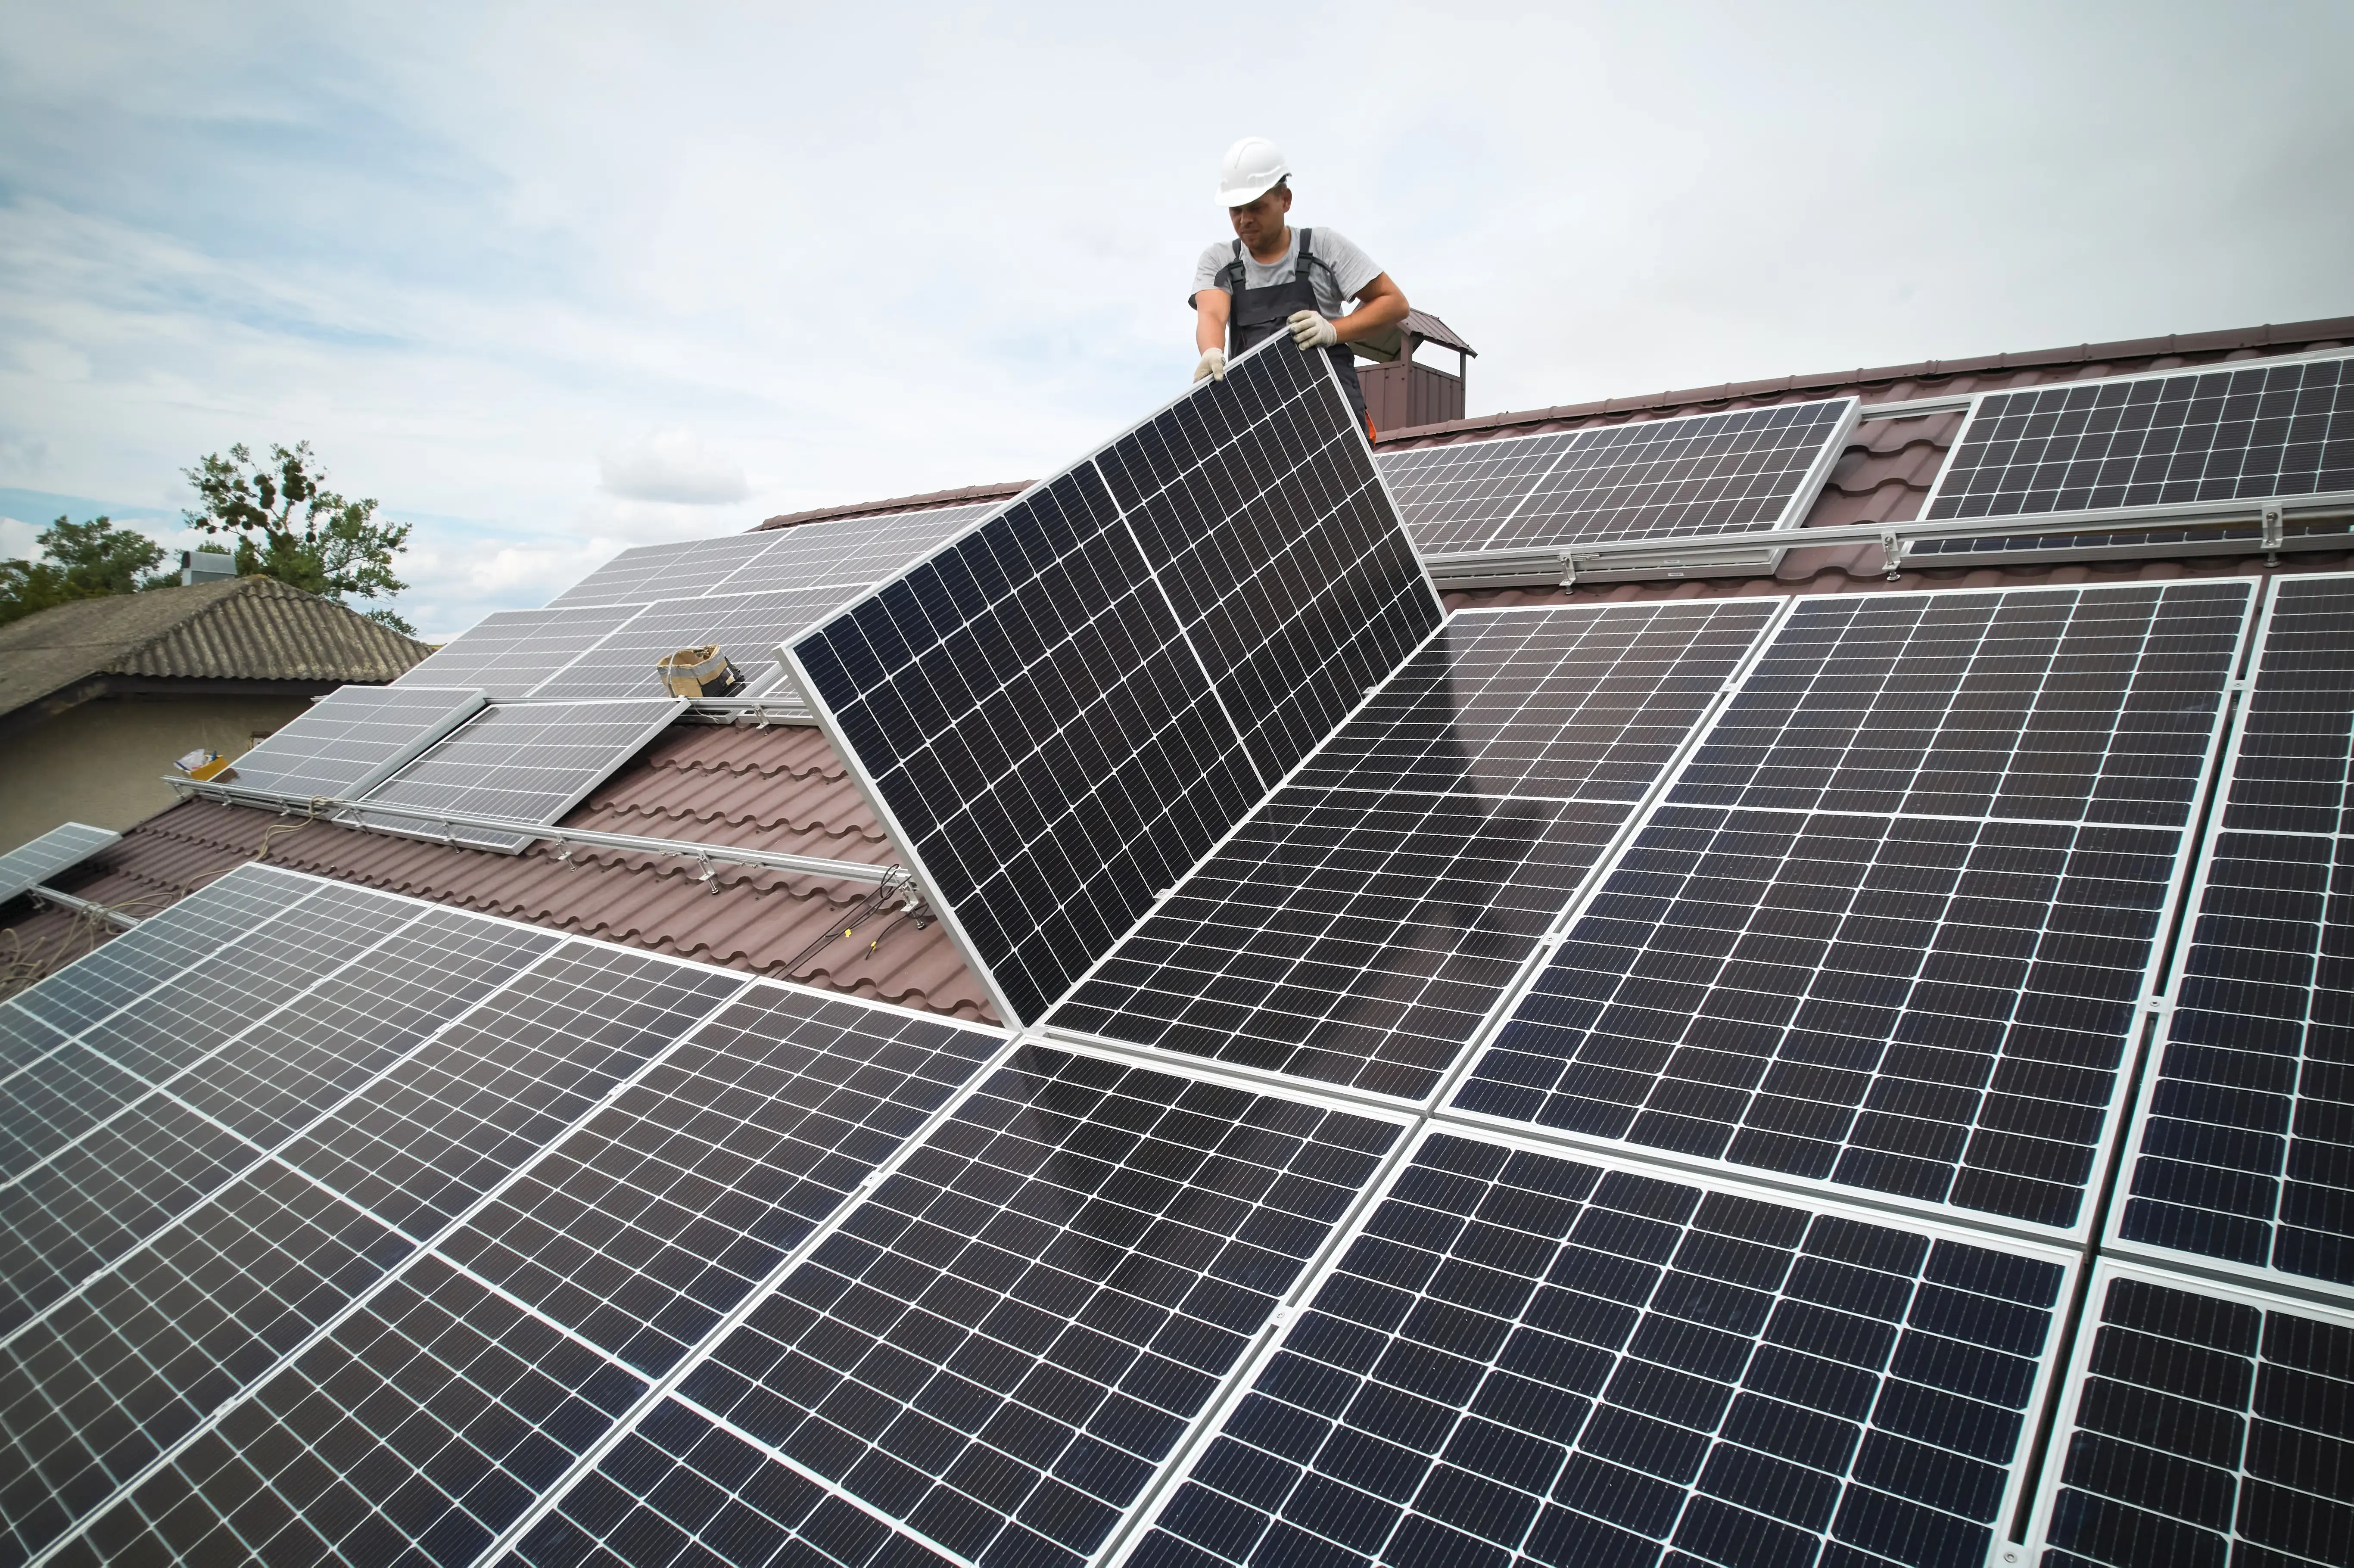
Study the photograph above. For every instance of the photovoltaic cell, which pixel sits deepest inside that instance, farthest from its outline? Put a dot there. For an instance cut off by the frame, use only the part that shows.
(997, 1349)
(1033, 712)
(1529, 1358)
(352, 739)
(131, 1365)
(58, 849)
(850, 550)
(2203, 1426)
(1697, 475)
(2253, 433)
(509, 652)
(1364, 921)
(1923, 981)
(2243, 1151)
(528, 762)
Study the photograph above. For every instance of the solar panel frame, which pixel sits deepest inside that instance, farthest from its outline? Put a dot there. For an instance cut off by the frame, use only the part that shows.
(2177, 1537)
(339, 757)
(1128, 1548)
(499, 652)
(745, 627)
(1575, 814)
(2114, 1109)
(512, 779)
(1942, 494)
(2247, 830)
(62, 848)
(1224, 780)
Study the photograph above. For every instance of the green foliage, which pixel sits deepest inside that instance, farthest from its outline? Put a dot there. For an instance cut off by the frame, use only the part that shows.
(80, 560)
(289, 525)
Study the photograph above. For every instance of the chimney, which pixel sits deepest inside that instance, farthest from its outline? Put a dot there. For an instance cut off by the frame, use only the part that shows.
(1403, 394)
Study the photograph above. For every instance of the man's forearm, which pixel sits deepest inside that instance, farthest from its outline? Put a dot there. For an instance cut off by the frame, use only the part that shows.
(1378, 309)
(1210, 308)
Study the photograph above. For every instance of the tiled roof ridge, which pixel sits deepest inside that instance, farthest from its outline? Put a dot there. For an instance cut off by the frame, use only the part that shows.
(2283, 334)
(962, 495)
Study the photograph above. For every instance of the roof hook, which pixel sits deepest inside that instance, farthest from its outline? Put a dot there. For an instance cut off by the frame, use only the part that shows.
(2273, 533)
(1892, 550)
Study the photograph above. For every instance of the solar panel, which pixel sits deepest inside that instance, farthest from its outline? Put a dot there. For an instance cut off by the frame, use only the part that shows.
(510, 652)
(526, 762)
(352, 739)
(2240, 1147)
(1362, 924)
(992, 1353)
(1896, 925)
(253, 1087)
(60, 849)
(747, 627)
(1697, 475)
(2200, 1424)
(650, 572)
(2260, 431)
(1032, 716)
(850, 551)
(1527, 1357)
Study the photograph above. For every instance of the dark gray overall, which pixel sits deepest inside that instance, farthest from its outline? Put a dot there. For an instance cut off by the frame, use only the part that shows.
(1257, 314)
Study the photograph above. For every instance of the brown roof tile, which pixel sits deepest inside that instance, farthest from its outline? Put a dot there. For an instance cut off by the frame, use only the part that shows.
(962, 496)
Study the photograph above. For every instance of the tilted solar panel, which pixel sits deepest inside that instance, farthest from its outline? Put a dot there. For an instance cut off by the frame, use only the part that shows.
(1532, 1357)
(2264, 432)
(2242, 1151)
(60, 849)
(2200, 1424)
(1057, 722)
(1896, 923)
(525, 762)
(479, 1218)
(353, 738)
(650, 572)
(851, 550)
(1362, 924)
(747, 627)
(994, 1352)
(1694, 476)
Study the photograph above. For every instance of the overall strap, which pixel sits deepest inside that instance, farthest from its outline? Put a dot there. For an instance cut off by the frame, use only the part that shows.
(1232, 274)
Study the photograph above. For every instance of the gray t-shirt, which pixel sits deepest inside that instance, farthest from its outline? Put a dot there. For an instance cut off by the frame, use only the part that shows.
(1344, 269)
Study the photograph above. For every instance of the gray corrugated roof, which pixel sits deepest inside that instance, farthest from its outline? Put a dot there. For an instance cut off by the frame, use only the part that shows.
(249, 628)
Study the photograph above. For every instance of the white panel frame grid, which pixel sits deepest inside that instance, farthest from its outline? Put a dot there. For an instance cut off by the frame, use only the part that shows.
(2129, 1070)
(62, 848)
(2128, 1150)
(1540, 955)
(2088, 1325)
(2069, 1260)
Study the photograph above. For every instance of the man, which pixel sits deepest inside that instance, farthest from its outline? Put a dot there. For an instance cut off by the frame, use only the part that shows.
(1272, 278)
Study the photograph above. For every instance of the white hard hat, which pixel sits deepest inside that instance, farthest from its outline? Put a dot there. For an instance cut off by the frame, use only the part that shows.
(1250, 170)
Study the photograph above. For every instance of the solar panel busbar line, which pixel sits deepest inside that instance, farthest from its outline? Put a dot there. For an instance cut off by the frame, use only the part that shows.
(2241, 1154)
(391, 1333)
(2220, 459)
(1527, 1355)
(2200, 1424)
(353, 740)
(62, 848)
(1522, 512)
(1363, 922)
(1060, 710)
(1897, 925)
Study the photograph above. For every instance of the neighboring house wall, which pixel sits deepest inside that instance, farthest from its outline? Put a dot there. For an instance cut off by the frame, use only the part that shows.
(102, 762)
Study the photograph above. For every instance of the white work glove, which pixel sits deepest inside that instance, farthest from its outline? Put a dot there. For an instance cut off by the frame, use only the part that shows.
(1309, 330)
(1213, 364)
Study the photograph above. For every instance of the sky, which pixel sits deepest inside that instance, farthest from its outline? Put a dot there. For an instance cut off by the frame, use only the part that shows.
(548, 281)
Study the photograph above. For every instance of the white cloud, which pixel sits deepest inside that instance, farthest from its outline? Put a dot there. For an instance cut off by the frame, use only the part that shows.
(673, 465)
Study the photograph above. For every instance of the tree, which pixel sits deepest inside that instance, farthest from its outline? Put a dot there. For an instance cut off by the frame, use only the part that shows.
(289, 525)
(80, 560)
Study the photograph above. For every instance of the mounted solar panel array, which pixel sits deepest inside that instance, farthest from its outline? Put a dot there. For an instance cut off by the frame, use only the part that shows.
(385, 1209)
(2221, 459)
(1360, 925)
(1516, 507)
(60, 849)
(1060, 711)
(745, 592)
(1896, 925)
(2243, 1154)
(353, 740)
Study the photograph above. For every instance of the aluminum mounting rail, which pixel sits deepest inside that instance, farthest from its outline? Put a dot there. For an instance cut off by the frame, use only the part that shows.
(683, 849)
(759, 711)
(114, 917)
